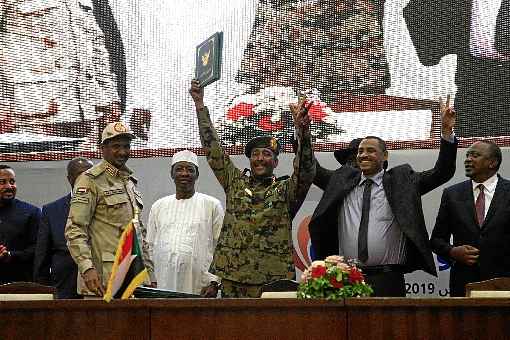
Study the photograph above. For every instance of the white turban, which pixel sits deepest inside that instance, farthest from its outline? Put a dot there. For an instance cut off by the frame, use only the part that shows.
(185, 156)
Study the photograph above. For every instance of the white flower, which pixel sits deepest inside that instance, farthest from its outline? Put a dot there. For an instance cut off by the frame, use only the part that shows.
(318, 264)
(334, 259)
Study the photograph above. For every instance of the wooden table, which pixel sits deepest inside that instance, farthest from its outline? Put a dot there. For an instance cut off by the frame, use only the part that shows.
(367, 319)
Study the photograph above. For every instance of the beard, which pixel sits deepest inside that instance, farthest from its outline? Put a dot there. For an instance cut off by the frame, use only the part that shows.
(7, 200)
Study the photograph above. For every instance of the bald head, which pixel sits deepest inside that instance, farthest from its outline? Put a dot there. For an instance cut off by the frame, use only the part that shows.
(75, 167)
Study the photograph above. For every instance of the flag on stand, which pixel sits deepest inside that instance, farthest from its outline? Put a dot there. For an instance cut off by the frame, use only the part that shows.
(128, 271)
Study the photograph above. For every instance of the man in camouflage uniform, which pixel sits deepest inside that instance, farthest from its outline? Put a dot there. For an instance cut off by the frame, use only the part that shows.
(255, 244)
(104, 202)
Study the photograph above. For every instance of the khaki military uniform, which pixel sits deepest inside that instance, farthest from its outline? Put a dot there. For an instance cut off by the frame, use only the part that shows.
(104, 202)
(255, 244)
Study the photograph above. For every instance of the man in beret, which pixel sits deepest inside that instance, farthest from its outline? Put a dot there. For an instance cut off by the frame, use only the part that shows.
(255, 244)
(104, 202)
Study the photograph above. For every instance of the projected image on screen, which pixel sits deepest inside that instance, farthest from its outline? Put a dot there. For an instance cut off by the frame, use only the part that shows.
(369, 67)
(58, 85)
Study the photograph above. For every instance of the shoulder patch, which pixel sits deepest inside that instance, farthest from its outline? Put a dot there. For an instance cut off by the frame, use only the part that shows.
(81, 190)
(80, 199)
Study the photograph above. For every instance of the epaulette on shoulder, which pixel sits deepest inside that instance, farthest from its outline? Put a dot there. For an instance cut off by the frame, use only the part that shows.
(282, 178)
(95, 171)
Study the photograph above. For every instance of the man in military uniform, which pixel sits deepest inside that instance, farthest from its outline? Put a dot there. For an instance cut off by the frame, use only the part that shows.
(255, 244)
(104, 202)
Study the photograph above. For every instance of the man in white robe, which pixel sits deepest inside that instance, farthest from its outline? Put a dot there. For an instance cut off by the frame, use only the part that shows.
(183, 231)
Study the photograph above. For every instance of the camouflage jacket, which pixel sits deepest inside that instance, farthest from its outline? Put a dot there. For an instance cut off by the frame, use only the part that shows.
(255, 244)
(104, 202)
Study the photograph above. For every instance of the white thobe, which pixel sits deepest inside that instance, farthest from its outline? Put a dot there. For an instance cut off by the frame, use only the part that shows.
(182, 235)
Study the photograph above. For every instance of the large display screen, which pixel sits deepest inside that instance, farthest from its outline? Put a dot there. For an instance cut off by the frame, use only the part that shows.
(371, 67)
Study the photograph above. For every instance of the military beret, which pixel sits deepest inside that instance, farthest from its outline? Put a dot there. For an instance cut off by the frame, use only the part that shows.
(267, 142)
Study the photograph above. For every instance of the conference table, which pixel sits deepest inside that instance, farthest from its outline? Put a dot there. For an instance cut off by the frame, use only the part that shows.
(356, 318)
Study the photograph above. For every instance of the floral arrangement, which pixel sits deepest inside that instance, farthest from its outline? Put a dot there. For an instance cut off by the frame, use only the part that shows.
(333, 279)
(267, 113)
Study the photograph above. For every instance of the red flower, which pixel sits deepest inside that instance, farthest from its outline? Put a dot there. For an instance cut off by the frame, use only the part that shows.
(335, 283)
(240, 110)
(316, 112)
(266, 124)
(318, 271)
(355, 276)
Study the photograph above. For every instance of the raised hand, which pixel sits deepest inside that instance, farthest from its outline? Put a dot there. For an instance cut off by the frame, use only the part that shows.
(299, 112)
(448, 117)
(197, 93)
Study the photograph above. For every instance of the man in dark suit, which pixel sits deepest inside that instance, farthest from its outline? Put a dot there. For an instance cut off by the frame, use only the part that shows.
(476, 213)
(53, 263)
(478, 32)
(375, 216)
(19, 222)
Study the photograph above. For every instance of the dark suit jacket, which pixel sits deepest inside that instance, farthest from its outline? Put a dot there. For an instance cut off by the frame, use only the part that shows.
(51, 251)
(19, 222)
(403, 187)
(457, 217)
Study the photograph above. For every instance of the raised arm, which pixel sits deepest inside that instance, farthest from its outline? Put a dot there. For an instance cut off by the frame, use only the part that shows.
(444, 169)
(322, 176)
(304, 161)
(218, 160)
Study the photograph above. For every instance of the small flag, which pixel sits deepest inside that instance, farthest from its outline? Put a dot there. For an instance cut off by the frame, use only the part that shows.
(128, 271)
